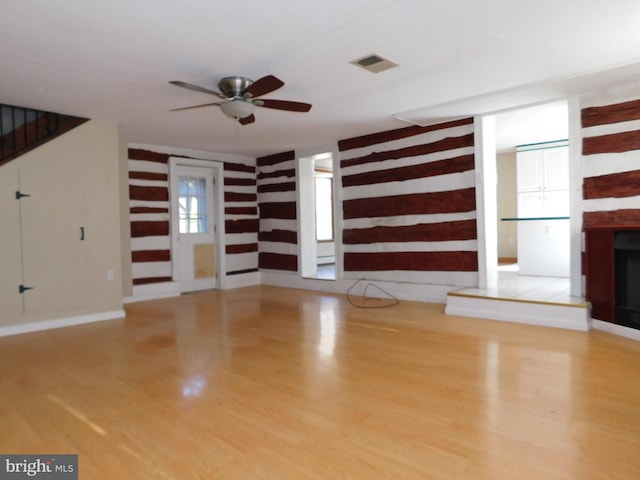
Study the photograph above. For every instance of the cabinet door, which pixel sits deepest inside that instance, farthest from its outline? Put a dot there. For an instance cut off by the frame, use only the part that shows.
(529, 171)
(53, 250)
(555, 168)
(530, 205)
(555, 203)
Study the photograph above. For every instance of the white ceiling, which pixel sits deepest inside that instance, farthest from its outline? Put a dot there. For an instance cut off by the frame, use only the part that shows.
(113, 60)
(536, 124)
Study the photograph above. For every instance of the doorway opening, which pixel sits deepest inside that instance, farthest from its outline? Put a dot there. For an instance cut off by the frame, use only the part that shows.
(533, 200)
(317, 216)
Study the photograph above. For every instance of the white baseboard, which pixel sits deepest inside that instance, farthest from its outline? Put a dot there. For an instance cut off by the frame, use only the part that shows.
(242, 280)
(157, 291)
(414, 292)
(543, 315)
(153, 291)
(627, 332)
(59, 323)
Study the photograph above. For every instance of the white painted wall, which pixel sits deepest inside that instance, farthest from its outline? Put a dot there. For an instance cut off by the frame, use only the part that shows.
(507, 205)
(92, 150)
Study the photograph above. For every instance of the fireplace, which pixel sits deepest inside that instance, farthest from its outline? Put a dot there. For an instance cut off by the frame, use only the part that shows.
(627, 278)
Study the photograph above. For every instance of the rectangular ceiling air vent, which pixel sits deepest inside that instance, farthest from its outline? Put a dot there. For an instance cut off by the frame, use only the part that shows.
(374, 63)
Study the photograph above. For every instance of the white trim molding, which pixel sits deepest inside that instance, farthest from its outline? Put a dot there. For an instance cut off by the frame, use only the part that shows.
(571, 317)
(60, 322)
(217, 169)
(153, 291)
(614, 329)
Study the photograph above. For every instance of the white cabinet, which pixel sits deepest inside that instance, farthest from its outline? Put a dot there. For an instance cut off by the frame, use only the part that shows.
(543, 195)
(543, 248)
(555, 168)
(529, 171)
(544, 203)
(543, 182)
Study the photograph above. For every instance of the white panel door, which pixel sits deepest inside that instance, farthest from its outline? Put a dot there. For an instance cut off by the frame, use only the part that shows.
(54, 239)
(194, 228)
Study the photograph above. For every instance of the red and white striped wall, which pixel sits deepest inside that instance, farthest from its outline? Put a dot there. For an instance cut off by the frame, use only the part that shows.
(241, 218)
(611, 159)
(409, 205)
(278, 236)
(150, 217)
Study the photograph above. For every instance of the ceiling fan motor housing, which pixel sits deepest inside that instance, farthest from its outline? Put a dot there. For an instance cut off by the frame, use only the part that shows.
(234, 86)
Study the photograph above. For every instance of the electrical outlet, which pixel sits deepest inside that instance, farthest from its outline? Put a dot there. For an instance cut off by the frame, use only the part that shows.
(110, 275)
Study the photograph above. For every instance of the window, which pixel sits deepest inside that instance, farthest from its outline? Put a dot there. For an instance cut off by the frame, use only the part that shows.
(324, 206)
(192, 203)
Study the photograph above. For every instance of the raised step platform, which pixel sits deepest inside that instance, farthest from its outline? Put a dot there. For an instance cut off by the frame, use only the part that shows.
(573, 314)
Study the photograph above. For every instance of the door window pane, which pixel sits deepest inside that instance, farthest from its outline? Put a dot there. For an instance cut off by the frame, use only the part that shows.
(192, 204)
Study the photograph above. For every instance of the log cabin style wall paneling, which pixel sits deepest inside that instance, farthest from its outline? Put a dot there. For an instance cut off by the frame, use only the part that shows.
(611, 163)
(409, 205)
(278, 237)
(149, 211)
(241, 218)
(610, 134)
(150, 217)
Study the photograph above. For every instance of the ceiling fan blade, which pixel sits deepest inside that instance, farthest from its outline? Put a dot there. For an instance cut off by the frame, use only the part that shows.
(196, 106)
(285, 105)
(247, 120)
(190, 86)
(262, 86)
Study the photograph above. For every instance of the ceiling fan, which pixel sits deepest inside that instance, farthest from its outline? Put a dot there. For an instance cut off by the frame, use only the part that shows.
(238, 97)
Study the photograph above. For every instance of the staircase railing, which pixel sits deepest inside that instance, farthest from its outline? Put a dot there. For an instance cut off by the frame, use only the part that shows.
(23, 129)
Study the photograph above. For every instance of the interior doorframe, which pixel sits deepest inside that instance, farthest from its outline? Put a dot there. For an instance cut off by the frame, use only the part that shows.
(575, 197)
(306, 216)
(486, 200)
(485, 139)
(218, 213)
(306, 209)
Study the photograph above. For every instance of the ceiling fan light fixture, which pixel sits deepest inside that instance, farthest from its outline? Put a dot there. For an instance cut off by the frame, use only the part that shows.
(238, 108)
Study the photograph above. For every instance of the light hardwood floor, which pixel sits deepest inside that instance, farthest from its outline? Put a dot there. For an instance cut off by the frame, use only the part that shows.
(273, 383)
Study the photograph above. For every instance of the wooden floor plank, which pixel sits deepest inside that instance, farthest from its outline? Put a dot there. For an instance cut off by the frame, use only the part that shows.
(273, 383)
